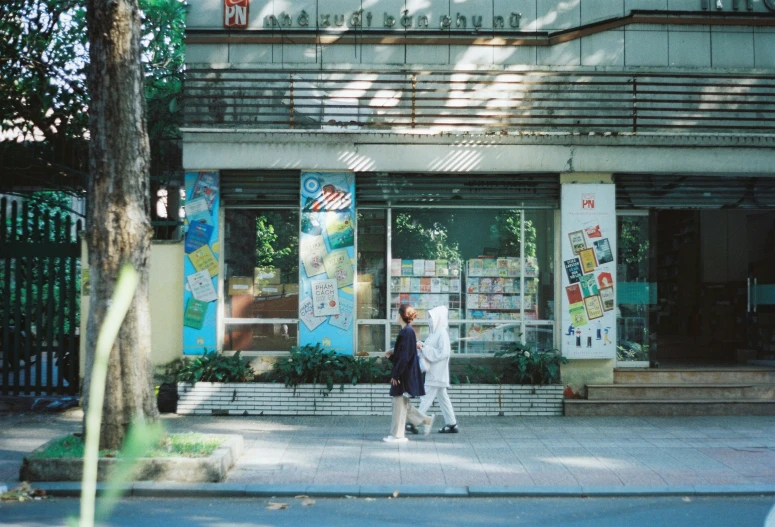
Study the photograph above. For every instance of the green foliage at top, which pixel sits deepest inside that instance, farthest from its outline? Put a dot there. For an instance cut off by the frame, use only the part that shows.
(414, 239)
(214, 367)
(277, 242)
(507, 235)
(523, 366)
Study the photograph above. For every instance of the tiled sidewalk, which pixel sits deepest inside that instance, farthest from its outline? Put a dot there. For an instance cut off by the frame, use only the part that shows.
(541, 451)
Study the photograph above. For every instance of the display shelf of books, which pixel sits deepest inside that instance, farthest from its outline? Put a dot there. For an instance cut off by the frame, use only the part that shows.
(425, 284)
(494, 297)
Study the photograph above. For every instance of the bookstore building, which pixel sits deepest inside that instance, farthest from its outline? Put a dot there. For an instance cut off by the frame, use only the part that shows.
(550, 185)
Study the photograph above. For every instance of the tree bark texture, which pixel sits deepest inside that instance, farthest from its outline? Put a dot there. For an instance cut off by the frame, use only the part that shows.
(118, 220)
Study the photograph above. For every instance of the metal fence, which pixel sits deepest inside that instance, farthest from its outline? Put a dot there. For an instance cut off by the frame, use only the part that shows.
(469, 101)
(39, 309)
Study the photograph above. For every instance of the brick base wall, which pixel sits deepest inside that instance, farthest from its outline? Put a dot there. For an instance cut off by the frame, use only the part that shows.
(206, 398)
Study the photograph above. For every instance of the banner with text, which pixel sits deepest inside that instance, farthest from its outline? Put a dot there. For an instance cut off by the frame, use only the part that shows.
(327, 260)
(589, 271)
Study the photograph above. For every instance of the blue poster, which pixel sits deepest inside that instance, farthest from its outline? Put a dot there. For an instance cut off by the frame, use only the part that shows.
(200, 268)
(327, 260)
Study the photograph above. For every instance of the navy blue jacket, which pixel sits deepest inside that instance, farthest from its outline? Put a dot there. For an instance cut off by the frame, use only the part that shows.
(406, 365)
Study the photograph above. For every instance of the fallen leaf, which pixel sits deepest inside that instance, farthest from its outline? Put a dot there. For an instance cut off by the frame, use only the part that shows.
(276, 506)
(307, 502)
(395, 493)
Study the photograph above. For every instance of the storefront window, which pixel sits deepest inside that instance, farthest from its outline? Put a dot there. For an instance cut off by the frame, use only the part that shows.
(261, 275)
(635, 293)
(498, 289)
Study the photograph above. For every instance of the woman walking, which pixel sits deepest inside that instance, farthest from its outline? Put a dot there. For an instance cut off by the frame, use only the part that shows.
(436, 350)
(405, 379)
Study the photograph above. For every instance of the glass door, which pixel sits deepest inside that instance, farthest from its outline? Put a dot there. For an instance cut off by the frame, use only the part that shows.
(760, 287)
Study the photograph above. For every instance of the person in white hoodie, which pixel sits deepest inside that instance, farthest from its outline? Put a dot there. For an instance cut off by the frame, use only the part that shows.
(435, 352)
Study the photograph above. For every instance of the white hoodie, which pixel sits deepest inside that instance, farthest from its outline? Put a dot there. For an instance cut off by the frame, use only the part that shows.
(436, 349)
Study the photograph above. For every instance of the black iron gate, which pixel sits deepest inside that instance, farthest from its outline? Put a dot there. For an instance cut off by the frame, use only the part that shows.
(39, 304)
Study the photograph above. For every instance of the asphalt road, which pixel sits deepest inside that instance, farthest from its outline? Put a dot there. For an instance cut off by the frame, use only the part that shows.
(357, 512)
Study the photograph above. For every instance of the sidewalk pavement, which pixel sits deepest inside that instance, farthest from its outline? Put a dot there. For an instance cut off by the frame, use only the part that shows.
(578, 456)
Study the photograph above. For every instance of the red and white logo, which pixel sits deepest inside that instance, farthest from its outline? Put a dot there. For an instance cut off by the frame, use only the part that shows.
(235, 13)
(587, 201)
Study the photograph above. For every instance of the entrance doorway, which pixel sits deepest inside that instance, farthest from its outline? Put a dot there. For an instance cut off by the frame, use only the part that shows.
(715, 278)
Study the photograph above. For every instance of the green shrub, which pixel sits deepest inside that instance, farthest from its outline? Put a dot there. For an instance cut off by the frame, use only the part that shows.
(524, 366)
(214, 367)
(366, 370)
(311, 364)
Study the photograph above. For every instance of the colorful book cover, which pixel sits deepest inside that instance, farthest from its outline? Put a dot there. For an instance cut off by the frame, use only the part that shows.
(203, 258)
(406, 267)
(514, 267)
(531, 287)
(574, 294)
(593, 232)
(395, 267)
(414, 299)
(442, 267)
(435, 285)
(475, 267)
(594, 307)
(395, 285)
(473, 285)
(311, 223)
(485, 285)
(603, 251)
(339, 267)
(498, 285)
(198, 234)
(454, 285)
(607, 298)
(313, 251)
(445, 285)
(194, 315)
(503, 266)
(578, 315)
(345, 317)
(588, 260)
(496, 302)
(403, 298)
(588, 285)
(573, 270)
(198, 211)
(201, 286)
(307, 314)
(339, 227)
(577, 241)
(454, 268)
(508, 285)
(425, 285)
(418, 267)
(484, 301)
(406, 284)
(325, 297)
(531, 267)
(605, 279)
(472, 301)
(489, 267)
(206, 187)
(430, 268)
(415, 287)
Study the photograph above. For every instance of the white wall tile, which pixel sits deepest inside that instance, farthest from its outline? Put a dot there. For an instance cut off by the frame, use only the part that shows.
(653, 5)
(416, 54)
(764, 50)
(645, 48)
(205, 14)
(249, 53)
(603, 49)
(732, 50)
(685, 5)
(565, 54)
(433, 9)
(473, 55)
(393, 8)
(295, 54)
(596, 10)
(383, 54)
(558, 14)
(526, 8)
(207, 53)
(514, 55)
(341, 54)
(689, 49)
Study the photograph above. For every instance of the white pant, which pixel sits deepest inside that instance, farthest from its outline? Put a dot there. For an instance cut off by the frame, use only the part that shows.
(437, 392)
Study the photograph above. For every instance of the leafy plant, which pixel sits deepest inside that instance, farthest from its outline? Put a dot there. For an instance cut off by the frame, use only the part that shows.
(365, 370)
(476, 374)
(311, 364)
(213, 367)
(524, 366)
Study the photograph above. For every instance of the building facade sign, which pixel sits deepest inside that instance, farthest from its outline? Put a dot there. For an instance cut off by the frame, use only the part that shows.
(236, 13)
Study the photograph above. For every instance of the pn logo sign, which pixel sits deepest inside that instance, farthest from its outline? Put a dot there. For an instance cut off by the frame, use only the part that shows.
(235, 13)
(587, 201)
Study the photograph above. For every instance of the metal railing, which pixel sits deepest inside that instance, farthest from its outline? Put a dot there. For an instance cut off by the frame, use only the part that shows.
(538, 101)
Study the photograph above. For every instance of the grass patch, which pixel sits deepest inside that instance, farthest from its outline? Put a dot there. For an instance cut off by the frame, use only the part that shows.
(176, 445)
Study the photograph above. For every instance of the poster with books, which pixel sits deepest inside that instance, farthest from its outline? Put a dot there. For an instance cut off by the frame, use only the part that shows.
(198, 234)
(325, 297)
(204, 258)
(339, 267)
(206, 187)
(307, 315)
(198, 211)
(201, 286)
(339, 227)
(195, 314)
(344, 319)
(313, 251)
(588, 250)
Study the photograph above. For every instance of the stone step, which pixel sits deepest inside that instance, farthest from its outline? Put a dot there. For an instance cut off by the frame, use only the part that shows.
(680, 391)
(694, 376)
(668, 408)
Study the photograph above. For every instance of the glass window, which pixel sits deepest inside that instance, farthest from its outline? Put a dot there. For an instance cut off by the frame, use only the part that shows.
(475, 263)
(260, 337)
(635, 293)
(372, 261)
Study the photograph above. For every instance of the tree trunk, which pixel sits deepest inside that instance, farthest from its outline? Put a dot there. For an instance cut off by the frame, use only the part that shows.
(118, 221)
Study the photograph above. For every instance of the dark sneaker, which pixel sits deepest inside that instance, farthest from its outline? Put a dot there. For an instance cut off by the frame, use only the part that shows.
(449, 429)
(411, 428)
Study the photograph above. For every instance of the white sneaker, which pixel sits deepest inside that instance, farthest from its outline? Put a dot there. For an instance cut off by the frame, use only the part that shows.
(391, 439)
(426, 427)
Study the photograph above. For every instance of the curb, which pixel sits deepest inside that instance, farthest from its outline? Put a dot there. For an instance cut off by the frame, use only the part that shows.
(239, 490)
